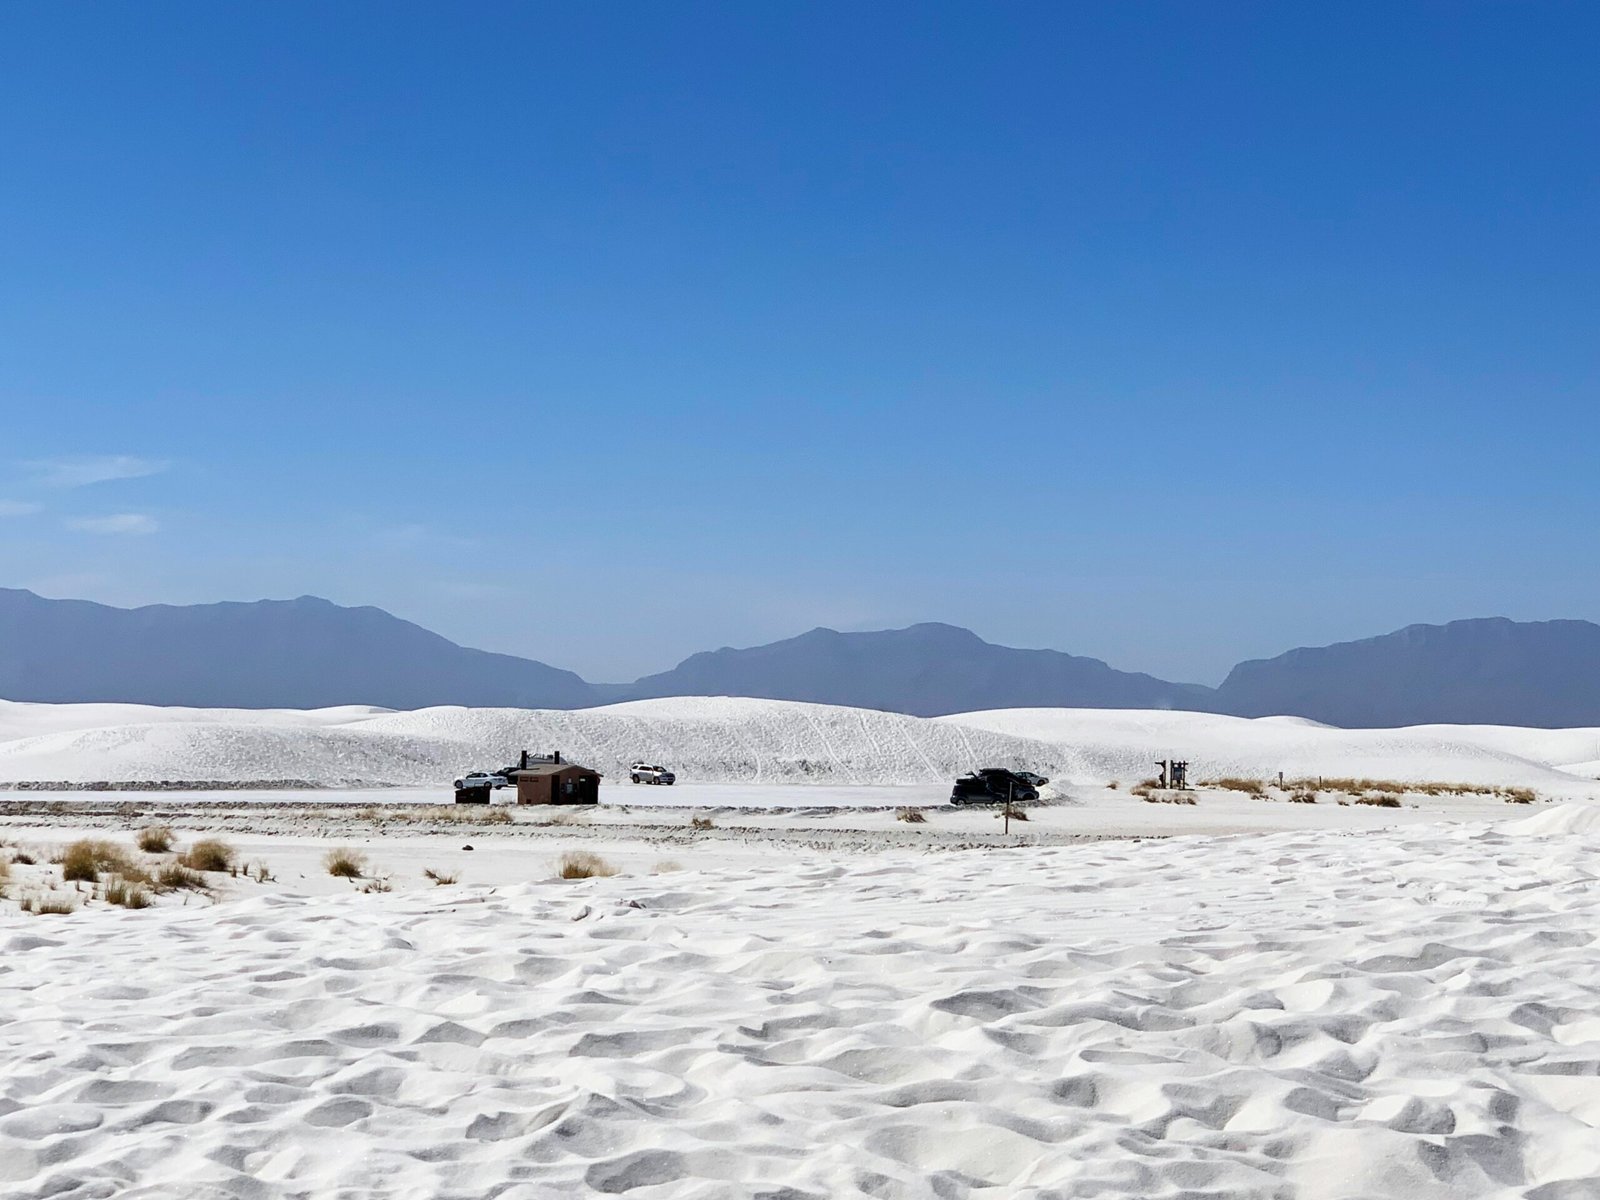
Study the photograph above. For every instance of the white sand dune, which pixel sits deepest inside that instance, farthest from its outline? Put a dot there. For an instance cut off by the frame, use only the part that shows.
(730, 740)
(1102, 744)
(710, 740)
(1309, 1016)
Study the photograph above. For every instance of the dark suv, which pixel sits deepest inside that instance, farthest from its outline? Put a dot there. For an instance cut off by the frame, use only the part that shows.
(990, 786)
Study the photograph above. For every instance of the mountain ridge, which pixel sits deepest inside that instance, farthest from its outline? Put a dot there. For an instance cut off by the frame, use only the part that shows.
(311, 653)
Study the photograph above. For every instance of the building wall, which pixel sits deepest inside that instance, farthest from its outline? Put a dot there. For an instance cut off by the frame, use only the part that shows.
(552, 788)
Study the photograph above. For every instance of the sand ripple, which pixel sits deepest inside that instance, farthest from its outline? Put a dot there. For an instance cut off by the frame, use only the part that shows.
(1295, 1017)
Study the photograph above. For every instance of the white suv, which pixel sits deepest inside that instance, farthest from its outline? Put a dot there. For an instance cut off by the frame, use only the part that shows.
(482, 779)
(643, 772)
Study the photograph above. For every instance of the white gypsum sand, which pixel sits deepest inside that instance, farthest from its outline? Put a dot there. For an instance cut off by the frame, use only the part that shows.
(757, 742)
(1301, 1016)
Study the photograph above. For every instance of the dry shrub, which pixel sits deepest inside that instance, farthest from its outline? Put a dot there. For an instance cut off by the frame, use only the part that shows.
(1149, 784)
(703, 823)
(1017, 814)
(1229, 783)
(665, 866)
(5, 870)
(1520, 795)
(911, 816)
(1379, 801)
(154, 839)
(49, 906)
(1141, 791)
(208, 854)
(260, 873)
(126, 894)
(379, 884)
(1168, 798)
(1114, 785)
(583, 864)
(441, 878)
(1302, 797)
(177, 878)
(23, 858)
(88, 859)
(345, 863)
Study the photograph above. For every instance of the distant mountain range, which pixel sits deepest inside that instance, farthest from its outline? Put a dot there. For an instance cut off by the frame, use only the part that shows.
(310, 653)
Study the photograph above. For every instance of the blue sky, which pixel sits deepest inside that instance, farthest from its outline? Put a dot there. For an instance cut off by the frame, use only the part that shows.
(1172, 334)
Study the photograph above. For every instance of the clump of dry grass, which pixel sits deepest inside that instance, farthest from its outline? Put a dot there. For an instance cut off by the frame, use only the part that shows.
(1167, 798)
(1114, 785)
(583, 864)
(1231, 783)
(1303, 796)
(911, 816)
(23, 858)
(1520, 795)
(87, 859)
(380, 883)
(441, 878)
(5, 869)
(208, 854)
(1379, 801)
(260, 873)
(441, 814)
(174, 877)
(154, 839)
(1017, 814)
(665, 866)
(703, 823)
(345, 863)
(48, 906)
(126, 894)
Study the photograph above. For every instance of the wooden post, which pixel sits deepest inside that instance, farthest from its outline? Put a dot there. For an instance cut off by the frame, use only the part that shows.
(1009, 786)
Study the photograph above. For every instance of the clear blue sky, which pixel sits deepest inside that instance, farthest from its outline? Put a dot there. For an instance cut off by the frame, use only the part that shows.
(604, 333)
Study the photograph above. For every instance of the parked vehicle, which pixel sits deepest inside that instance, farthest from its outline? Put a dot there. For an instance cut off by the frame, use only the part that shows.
(643, 772)
(992, 785)
(1038, 781)
(481, 779)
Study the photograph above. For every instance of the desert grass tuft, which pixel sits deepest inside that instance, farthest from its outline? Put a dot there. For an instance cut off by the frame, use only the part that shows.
(583, 864)
(1231, 783)
(1519, 795)
(49, 906)
(441, 878)
(1114, 784)
(174, 877)
(666, 866)
(911, 816)
(208, 854)
(1303, 796)
(1379, 801)
(126, 894)
(345, 863)
(703, 823)
(154, 839)
(87, 859)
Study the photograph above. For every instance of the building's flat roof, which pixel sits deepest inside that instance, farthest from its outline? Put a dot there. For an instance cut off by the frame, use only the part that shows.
(552, 769)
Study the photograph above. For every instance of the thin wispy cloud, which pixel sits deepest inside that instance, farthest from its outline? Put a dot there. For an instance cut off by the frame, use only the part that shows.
(116, 523)
(19, 508)
(83, 470)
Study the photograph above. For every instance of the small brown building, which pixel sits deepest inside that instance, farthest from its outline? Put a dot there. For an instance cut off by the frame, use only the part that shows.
(545, 779)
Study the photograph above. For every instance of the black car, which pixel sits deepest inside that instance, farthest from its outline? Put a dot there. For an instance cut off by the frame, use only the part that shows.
(992, 785)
